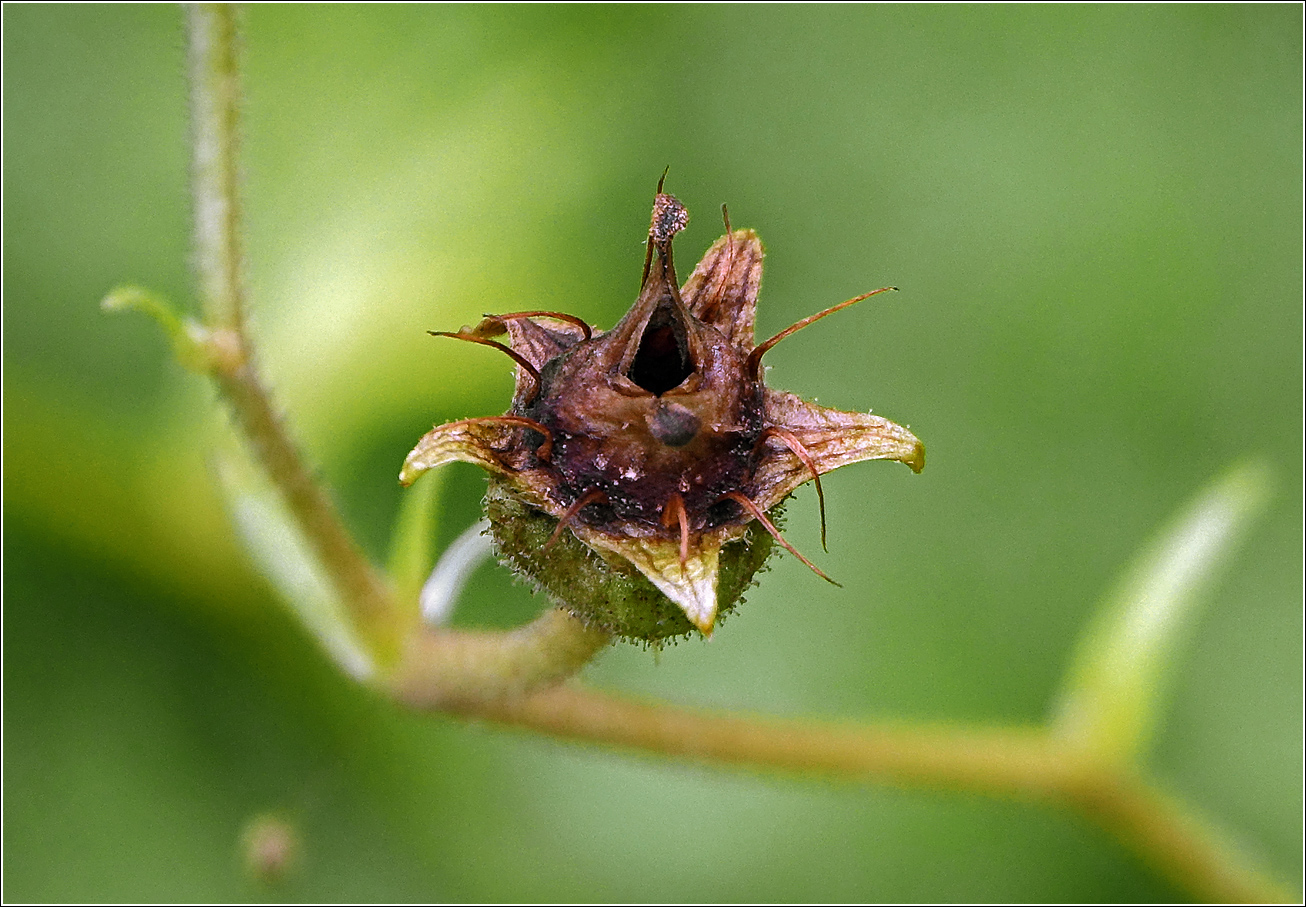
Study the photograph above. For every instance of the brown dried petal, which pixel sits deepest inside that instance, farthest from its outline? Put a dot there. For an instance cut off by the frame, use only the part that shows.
(540, 339)
(833, 438)
(691, 585)
(537, 340)
(491, 444)
(723, 289)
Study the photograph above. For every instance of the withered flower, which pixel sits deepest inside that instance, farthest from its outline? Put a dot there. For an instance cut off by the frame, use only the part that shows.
(652, 453)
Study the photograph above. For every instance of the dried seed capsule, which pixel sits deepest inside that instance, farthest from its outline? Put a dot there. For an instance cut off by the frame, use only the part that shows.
(634, 470)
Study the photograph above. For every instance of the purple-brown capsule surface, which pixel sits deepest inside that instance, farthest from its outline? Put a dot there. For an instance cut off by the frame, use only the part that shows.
(650, 454)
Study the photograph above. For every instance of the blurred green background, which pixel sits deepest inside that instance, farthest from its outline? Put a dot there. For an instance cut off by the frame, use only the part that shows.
(1094, 215)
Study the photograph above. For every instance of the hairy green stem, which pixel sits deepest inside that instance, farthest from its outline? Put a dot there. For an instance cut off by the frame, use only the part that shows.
(377, 617)
(215, 113)
(1191, 851)
(469, 671)
(215, 105)
(1016, 762)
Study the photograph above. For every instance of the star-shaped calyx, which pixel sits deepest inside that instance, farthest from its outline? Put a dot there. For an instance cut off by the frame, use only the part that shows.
(655, 446)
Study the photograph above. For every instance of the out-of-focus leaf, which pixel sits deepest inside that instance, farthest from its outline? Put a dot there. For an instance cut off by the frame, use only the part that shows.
(186, 337)
(285, 558)
(412, 544)
(440, 593)
(1116, 683)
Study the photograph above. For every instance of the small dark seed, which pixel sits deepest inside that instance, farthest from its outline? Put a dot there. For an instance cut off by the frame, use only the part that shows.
(674, 425)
